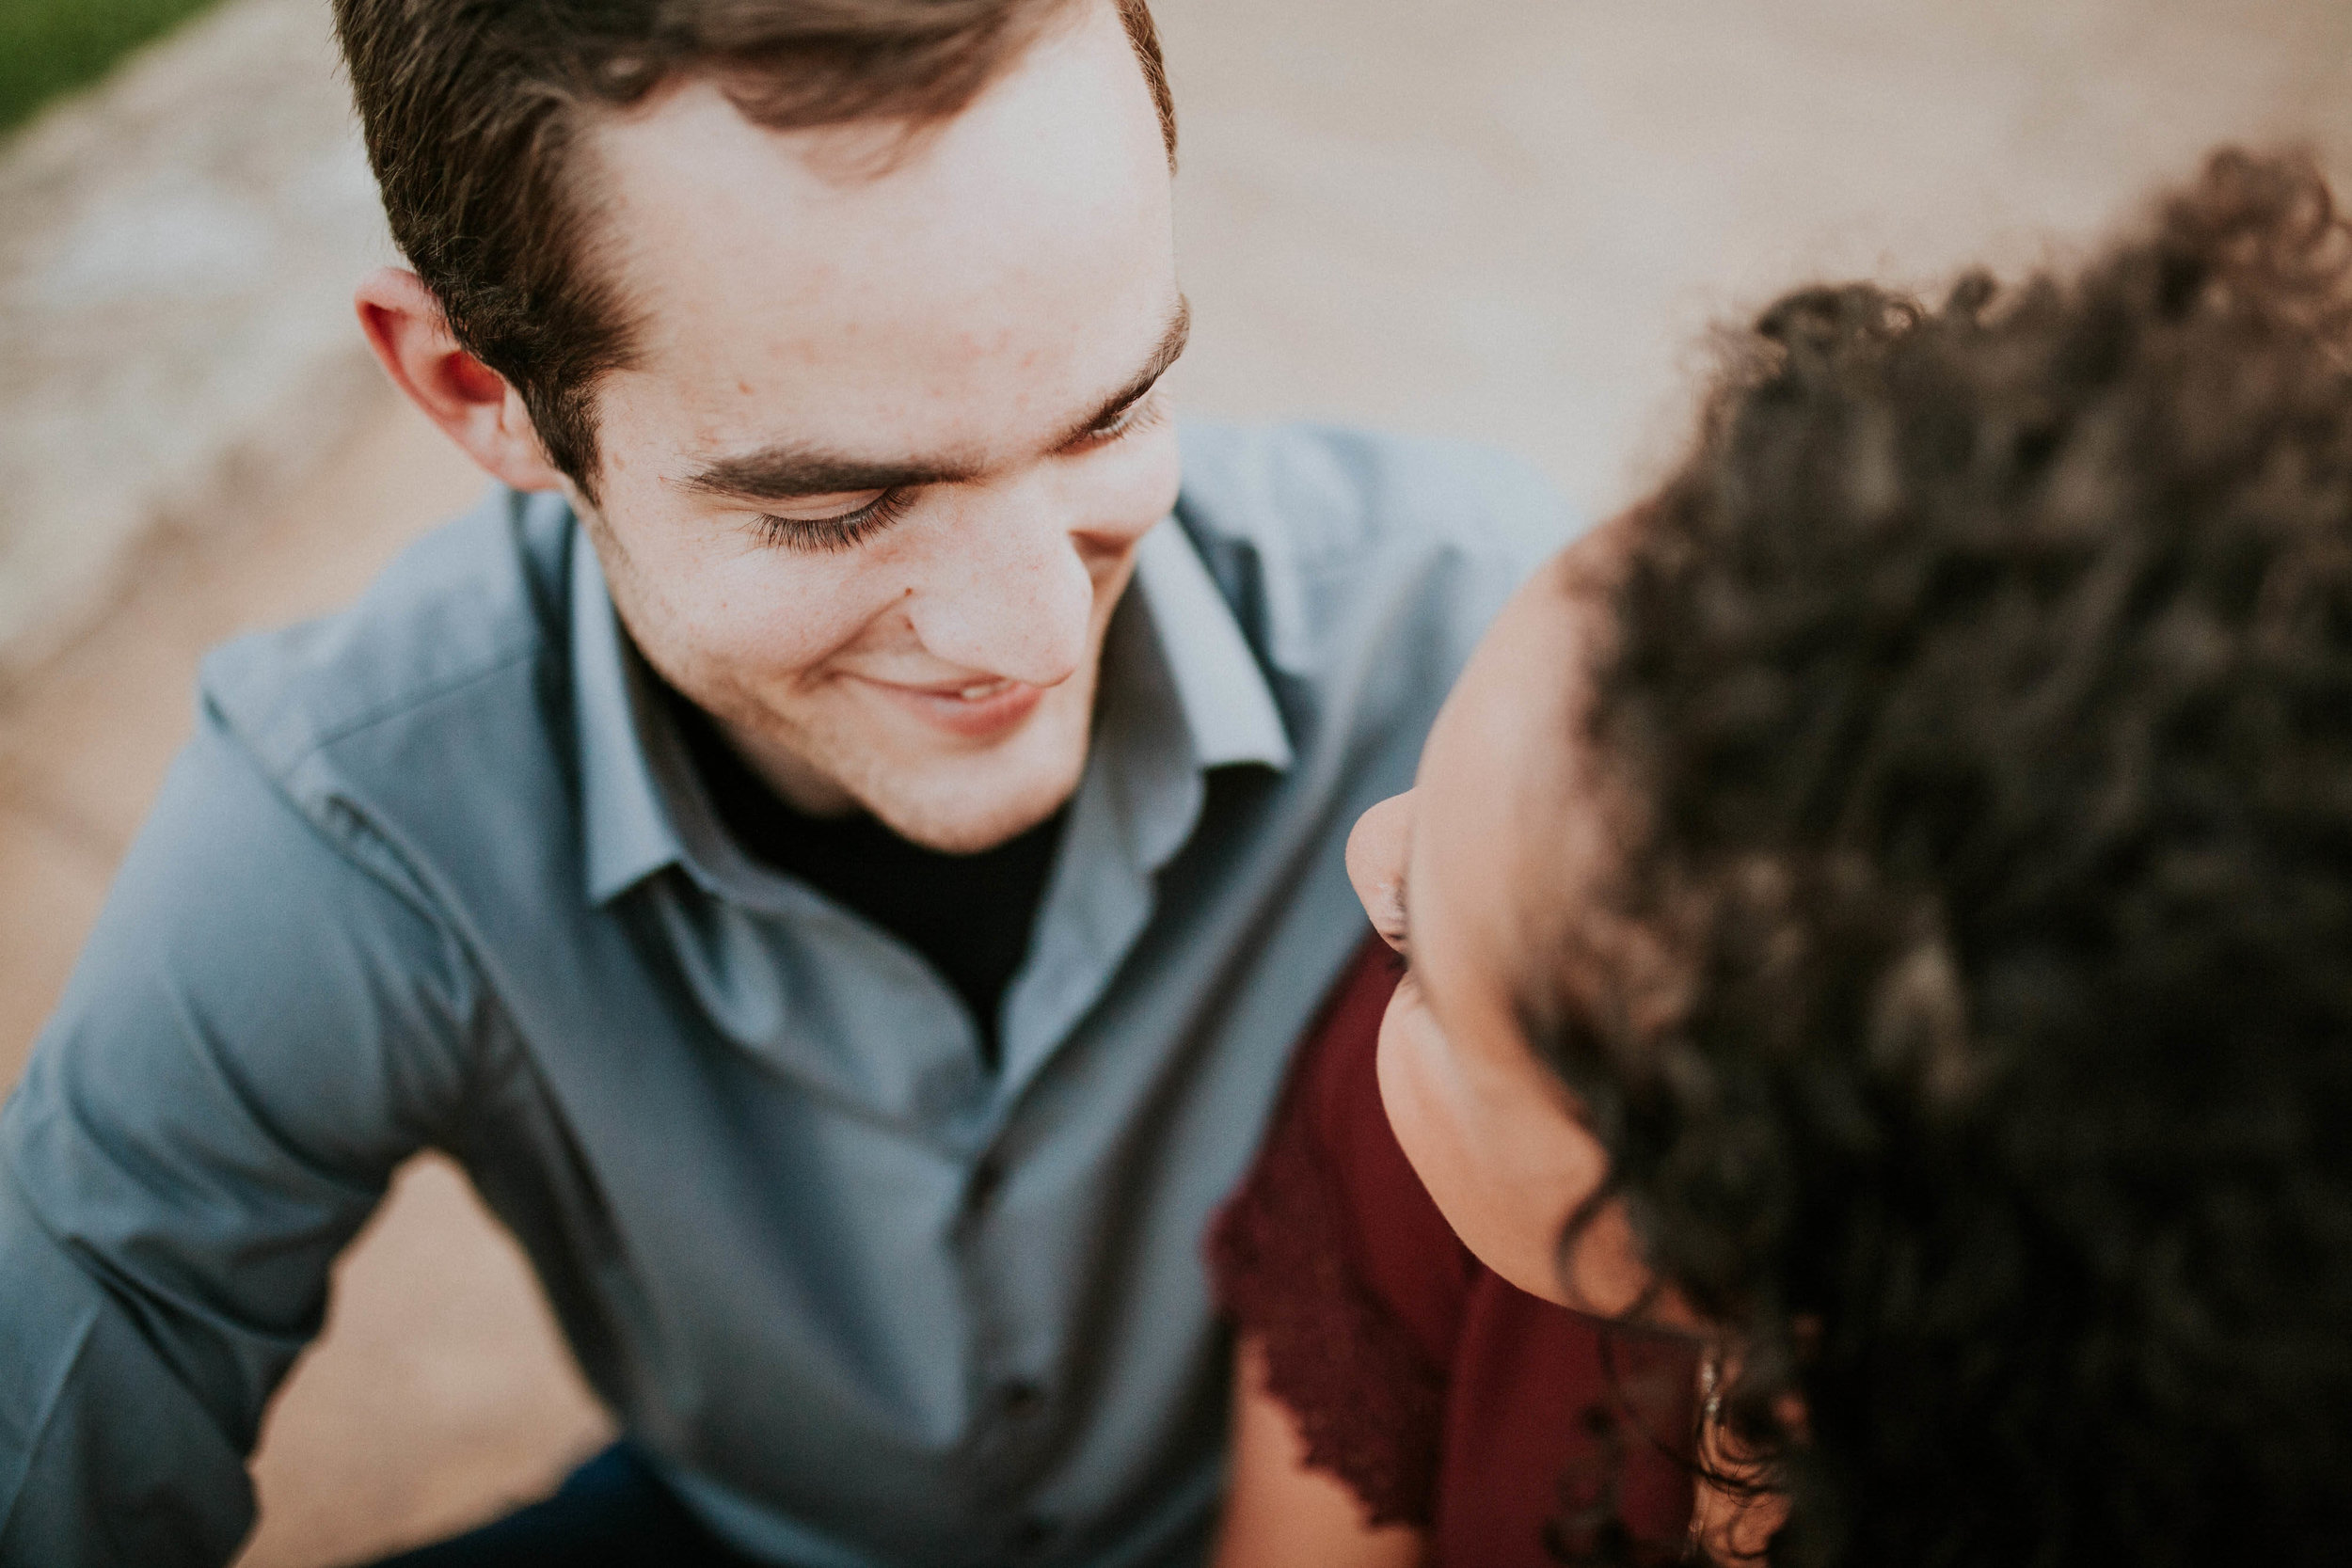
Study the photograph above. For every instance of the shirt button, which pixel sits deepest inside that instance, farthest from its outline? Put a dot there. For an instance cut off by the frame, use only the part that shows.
(1020, 1400)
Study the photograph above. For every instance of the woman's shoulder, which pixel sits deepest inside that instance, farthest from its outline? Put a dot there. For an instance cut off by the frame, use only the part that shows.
(1445, 1399)
(1331, 1170)
(1332, 1257)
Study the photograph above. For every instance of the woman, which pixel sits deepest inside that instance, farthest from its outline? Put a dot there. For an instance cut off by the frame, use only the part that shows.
(1885, 913)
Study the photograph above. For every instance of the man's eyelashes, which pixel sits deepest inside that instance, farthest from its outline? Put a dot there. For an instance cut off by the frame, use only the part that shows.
(839, 533)
(1145, 412)
(848, 530)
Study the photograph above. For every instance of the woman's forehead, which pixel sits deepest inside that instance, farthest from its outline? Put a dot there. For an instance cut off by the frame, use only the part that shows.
(1506, 827)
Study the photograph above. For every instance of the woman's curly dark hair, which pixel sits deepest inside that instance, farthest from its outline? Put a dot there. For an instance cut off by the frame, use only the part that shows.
(1984, 691)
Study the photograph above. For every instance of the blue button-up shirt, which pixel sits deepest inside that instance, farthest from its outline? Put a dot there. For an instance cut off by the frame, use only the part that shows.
(436, 872)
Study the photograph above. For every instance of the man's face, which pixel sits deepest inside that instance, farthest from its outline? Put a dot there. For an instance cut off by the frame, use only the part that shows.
(876, 479)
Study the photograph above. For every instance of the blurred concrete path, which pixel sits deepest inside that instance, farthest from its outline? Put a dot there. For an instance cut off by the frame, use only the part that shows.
(175, 251)
(1509, 220)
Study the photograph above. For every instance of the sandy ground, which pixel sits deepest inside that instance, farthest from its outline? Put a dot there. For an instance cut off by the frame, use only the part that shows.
(1508, 220)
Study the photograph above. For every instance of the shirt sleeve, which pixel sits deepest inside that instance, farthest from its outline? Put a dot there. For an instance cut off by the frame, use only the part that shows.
(259, 1029)
(1331, 1254)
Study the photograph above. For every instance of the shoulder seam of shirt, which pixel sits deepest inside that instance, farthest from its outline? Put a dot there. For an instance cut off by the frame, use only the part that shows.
(1475, 530)
(338, 824)
(496, 661)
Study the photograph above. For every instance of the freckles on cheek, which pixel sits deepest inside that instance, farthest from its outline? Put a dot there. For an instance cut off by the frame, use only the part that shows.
(786, 611)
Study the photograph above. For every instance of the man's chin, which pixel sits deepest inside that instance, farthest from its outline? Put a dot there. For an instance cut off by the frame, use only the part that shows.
(953, 831)
(960, 799)
(959, 807)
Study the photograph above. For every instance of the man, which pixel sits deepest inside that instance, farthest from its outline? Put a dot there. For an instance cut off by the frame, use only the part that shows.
(838, 846)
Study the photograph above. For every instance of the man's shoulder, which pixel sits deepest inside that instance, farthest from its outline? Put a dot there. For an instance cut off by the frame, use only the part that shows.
(1316, 496)
(1330, 543)
(474, 599)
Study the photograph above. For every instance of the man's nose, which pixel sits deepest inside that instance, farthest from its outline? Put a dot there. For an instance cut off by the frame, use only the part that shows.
(1009, 594)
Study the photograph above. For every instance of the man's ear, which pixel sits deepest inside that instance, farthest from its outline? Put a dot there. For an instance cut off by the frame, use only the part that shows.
(465, 397)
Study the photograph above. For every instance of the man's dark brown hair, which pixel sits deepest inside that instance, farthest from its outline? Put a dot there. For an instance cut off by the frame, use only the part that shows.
(472, 107)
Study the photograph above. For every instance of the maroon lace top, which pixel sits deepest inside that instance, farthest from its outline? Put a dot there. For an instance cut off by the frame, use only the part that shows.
(1513, 1431)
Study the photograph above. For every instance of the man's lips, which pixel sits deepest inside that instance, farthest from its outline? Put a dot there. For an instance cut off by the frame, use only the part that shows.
(974, 709)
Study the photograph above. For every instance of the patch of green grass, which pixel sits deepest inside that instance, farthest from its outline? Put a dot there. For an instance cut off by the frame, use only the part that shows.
(49, 47)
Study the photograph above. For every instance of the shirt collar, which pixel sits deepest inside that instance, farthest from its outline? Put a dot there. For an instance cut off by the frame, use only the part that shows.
(636, 782)
(1220, 692)
(628, 766)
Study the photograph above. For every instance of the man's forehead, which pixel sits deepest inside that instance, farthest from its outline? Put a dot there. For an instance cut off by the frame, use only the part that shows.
(1049, 167)
(1026, 243)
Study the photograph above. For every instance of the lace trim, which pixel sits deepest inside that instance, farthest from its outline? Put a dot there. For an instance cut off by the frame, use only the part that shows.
(1368, 1404)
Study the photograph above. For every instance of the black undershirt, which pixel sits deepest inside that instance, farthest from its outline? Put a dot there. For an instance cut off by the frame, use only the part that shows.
(968, 915)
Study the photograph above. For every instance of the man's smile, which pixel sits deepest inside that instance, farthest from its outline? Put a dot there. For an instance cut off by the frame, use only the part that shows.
(976, 710)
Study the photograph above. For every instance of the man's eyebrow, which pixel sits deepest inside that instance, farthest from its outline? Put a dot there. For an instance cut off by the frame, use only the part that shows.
(1169, 349)
(786, 472)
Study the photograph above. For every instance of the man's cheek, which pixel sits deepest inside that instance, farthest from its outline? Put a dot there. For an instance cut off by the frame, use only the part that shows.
(1136, 485)
(1166, 473)
(779, 613)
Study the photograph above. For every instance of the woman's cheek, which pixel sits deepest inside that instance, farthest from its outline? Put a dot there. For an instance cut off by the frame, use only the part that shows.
(1408, 1067)
(1502, 1161)
(1443, 1135)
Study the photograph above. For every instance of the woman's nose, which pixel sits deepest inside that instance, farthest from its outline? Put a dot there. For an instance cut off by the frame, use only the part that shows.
(1376, 853)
